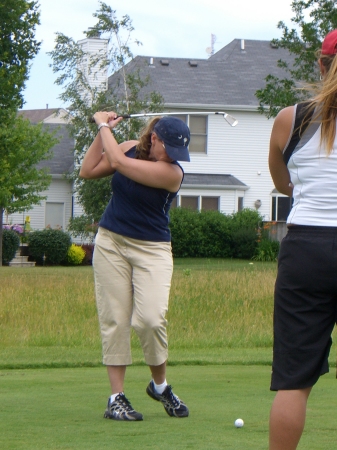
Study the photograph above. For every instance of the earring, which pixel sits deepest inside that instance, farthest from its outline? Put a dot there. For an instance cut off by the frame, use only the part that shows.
(321, 77)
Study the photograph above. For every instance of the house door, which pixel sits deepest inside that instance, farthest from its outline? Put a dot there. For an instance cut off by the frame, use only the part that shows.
(54, 215)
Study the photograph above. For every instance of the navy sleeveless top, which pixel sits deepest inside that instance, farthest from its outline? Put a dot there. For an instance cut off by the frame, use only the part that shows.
(138, 211)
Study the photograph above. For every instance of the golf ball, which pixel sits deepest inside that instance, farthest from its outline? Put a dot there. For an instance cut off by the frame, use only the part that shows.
(239, 423)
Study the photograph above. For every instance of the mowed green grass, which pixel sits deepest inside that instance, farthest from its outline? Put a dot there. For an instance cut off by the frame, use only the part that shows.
(63, 409)
(54, 389)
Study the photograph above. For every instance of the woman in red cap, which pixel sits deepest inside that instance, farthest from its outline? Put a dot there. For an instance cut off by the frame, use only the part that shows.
(132, 258)
(303, 164)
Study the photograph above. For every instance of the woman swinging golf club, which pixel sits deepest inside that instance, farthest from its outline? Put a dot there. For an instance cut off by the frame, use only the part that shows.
(132, 258)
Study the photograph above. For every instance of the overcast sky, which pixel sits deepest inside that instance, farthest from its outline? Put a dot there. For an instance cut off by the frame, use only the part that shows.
(174, 28)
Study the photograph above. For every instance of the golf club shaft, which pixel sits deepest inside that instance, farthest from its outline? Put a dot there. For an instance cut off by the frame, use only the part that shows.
(230, 119)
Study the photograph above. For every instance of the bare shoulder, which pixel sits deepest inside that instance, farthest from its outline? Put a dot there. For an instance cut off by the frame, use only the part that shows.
(282, 128)
(285, 116)
(125, 146)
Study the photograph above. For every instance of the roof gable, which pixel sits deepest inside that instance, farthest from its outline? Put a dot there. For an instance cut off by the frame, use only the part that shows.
(52, 115)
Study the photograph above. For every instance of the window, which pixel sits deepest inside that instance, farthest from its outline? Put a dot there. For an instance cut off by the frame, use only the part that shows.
(210, 203)
(281, 207)
(198, 129)
(54, 215)
(240, 203)
(189, 202)
(197, 203)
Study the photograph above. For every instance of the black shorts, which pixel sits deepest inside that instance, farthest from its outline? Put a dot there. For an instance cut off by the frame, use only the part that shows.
(305, 307)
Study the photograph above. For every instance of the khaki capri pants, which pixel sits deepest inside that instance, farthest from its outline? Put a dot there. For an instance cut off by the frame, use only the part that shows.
(132, 285)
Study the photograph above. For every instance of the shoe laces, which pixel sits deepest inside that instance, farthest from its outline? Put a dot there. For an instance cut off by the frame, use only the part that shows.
(124, 402)
(172, 398)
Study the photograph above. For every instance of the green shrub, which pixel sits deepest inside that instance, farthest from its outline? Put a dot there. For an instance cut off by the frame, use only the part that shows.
(49, 246)
(245, 226)
(75, 255)
(216, 236)
(200, 234)
(247, 218)
(10, 245)
(186, 232)
(244, 243)
(267, 250)
(212, 234)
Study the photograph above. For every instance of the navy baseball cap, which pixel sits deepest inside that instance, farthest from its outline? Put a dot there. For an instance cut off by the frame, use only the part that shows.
(176, 136)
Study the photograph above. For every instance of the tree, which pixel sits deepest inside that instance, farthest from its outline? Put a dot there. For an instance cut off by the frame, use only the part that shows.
(22, 145)
(17, 48)
(312, 20)
(84, 99)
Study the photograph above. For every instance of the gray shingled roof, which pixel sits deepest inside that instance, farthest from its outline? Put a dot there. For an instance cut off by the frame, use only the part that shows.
(62, 161)
(212, 180)
(229, 77)
(38, 115)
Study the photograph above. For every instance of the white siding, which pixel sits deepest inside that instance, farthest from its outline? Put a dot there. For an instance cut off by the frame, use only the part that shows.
(96, 76)
(59, 192)
(241, 151)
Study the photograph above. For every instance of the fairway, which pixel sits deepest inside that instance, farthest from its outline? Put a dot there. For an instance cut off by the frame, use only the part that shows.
(63, 409)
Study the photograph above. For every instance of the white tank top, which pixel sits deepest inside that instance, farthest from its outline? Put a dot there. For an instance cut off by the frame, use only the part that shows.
(314, 176)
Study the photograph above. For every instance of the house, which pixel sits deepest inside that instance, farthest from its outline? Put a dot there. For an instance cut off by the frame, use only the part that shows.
(57, 209)
(228, 170)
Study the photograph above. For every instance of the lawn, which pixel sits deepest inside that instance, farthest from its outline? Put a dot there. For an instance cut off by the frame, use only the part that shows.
(63, 409)
(54, 388)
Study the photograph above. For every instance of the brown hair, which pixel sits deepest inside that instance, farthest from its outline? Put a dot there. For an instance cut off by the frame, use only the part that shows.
(326, 101)
(144, 145)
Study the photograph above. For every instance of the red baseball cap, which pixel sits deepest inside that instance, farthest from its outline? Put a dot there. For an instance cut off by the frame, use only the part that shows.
(329, 45)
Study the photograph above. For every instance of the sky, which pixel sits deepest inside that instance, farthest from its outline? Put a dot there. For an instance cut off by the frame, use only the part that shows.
(171, 29)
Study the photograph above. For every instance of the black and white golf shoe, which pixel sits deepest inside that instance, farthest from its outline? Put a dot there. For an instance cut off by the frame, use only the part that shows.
(121, 409)
(172, 403)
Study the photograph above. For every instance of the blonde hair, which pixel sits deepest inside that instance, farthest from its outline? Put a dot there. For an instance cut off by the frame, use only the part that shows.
(326, 102)
(144, 145)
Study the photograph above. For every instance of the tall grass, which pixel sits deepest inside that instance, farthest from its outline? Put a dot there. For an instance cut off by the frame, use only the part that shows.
(47, 307)
(225, 308)
(220, 310)
(211, 304)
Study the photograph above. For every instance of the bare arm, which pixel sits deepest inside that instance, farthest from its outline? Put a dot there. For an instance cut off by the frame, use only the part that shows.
(278, 140)
(158, 174)
(95, 163)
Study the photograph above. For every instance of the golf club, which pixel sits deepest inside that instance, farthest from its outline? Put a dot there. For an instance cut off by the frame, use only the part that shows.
(229, 119)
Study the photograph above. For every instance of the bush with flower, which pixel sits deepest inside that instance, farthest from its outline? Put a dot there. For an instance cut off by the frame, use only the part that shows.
(19, 230)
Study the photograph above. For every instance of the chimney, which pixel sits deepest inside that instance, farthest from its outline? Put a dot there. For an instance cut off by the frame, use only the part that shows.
(242, 45)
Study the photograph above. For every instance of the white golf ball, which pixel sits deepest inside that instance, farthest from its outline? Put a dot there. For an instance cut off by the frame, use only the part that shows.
(239, 423)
